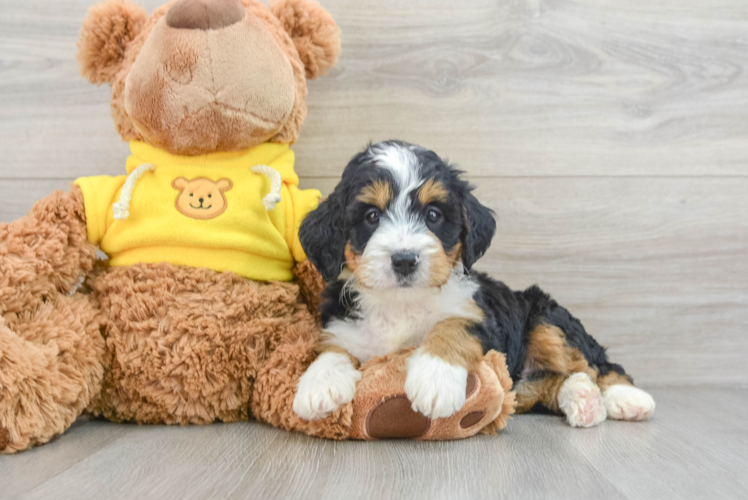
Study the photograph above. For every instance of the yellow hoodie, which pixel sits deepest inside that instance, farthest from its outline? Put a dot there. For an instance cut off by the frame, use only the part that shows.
(213, 211)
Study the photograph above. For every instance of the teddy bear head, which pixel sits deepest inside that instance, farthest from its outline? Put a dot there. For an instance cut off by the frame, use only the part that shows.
(200, 76)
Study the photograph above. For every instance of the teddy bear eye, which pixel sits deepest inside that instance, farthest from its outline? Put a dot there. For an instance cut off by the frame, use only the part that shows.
(190, 194)
(210, 196)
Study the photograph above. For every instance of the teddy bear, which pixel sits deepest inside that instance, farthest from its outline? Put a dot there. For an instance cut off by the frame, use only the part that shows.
(205, 308)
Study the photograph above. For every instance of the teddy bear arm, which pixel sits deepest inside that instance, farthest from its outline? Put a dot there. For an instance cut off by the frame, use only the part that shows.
(311, 286)
(44, 253)
(51, 350)
(51, 367)
(276, 383)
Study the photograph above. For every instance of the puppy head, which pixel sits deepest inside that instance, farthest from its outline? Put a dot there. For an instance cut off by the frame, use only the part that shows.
(400, 217)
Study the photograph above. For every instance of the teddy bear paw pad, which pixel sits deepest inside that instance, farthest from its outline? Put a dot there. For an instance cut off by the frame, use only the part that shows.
(394, 418)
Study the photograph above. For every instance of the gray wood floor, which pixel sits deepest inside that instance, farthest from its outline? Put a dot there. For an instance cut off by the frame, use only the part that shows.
(694, 448)
(611, 139)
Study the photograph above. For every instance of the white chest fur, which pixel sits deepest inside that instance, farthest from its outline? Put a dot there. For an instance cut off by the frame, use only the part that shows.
(391, 320)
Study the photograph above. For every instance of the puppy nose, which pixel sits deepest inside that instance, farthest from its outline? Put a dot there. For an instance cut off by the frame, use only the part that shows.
(404, 263)
(204, 14)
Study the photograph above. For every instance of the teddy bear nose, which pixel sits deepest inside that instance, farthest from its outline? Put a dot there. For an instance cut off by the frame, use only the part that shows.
(204, 14)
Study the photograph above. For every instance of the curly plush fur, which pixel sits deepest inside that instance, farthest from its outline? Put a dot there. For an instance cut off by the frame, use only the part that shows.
(151, 343)
(187, 344)
(50, 346)
(313, 34)
(106, 32)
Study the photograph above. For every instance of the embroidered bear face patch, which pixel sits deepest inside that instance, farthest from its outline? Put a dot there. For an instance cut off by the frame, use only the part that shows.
(201, 198)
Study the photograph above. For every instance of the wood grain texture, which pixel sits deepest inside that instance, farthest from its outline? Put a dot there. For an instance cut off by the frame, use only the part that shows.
(656, 269)
(522, 87)
(688, 451)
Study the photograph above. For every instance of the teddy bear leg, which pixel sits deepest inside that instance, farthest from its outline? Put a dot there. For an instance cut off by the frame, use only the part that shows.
(50, 368)
(381, 410)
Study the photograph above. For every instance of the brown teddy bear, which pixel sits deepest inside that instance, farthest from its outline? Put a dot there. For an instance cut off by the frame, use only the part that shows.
(205, 308)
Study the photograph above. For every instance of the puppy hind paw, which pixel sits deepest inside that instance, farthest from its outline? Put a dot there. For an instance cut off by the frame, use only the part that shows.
(581, 402)
(626, 402)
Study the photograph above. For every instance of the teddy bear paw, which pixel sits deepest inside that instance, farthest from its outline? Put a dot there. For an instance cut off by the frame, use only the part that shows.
(328, 384)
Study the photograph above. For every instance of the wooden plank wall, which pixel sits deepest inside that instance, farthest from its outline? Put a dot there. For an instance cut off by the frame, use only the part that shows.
(610, 137)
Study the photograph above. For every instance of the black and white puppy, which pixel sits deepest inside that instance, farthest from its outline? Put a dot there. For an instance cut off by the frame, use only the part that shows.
(396, 241)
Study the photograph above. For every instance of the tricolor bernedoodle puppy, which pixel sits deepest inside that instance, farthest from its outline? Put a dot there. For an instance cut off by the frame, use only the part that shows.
(396, 241)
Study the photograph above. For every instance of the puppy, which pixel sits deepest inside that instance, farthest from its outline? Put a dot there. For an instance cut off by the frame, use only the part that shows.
(395, 242)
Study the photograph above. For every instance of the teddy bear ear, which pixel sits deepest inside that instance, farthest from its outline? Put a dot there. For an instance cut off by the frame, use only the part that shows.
(313, 31)
(106, 32)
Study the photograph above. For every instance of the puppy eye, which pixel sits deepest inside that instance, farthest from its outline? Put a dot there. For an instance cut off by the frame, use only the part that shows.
(372, 216)
(434, 216)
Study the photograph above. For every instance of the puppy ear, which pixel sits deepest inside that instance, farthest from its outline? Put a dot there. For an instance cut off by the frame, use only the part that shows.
(106, 32)
(313, 31)
(322, 236)
(478, 229)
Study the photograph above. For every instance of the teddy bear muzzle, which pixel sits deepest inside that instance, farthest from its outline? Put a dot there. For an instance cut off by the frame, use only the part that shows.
(205, 14)
(195, 88)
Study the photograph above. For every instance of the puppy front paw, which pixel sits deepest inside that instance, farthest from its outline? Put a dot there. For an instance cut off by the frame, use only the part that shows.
(434, 387)
(328, 384)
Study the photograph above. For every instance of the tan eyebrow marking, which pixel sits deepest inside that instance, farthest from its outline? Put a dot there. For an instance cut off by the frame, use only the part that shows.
(432, 191)
(378, 193)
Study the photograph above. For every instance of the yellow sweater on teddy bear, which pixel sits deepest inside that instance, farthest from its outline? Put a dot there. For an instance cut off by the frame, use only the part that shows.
(229, 211)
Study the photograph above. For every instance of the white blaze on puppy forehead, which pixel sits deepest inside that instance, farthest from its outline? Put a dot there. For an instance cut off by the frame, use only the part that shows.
(403, 164)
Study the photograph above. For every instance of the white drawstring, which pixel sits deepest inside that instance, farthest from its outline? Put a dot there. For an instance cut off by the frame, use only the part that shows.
(273, 196)
(122, 207)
